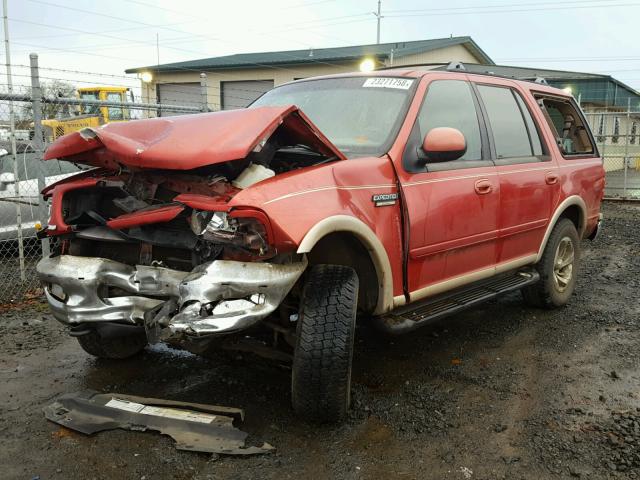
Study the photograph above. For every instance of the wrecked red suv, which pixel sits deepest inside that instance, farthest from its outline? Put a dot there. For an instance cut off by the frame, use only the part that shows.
(400, 195)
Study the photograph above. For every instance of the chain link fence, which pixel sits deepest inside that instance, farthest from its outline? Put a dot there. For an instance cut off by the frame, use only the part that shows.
(33, 113)
(617, 135)
(42, 107)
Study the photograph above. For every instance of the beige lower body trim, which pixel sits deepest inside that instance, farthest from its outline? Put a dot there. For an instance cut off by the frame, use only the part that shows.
(569, 201)
(465, 279)
(346, 223)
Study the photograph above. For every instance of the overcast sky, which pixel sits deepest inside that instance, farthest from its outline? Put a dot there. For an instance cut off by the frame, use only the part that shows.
(109, 36)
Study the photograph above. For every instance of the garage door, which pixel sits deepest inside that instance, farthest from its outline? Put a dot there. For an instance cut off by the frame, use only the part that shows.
(241, 94)
(183, 94)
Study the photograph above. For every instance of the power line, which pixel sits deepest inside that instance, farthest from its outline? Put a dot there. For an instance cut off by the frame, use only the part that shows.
(522, 10)
(509, 5)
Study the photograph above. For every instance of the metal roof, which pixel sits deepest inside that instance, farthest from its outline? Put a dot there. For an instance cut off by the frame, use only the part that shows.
(319, 55)
(592, 87)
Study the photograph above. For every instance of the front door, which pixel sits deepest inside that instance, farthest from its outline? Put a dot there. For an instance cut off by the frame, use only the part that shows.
(452, 207)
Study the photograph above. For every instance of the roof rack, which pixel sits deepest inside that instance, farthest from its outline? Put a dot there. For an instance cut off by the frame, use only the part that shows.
(455, 67)
(460, 67)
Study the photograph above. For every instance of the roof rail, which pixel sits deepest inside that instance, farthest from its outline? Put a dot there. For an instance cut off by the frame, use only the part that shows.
(455, 67)
(541, 80)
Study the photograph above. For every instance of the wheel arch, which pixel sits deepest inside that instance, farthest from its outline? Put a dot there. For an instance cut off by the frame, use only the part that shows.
(575, 209)
(335, 236)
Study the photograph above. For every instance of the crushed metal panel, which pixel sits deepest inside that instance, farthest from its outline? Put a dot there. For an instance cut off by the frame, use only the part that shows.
(188, 141)
(196, 427)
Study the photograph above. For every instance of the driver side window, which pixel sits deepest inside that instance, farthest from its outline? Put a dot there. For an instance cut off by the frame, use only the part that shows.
(449, 103)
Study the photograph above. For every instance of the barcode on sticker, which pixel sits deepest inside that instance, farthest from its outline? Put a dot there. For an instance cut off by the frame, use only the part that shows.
(388, 82)
(187, 415)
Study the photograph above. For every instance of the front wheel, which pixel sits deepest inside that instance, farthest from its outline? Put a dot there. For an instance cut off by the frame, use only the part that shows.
(558, 268)
(321, 374)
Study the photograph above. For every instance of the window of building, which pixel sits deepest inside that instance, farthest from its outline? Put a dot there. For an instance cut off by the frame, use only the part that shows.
(449, 103)
(616, 130)
(510, 134)
(567, 125)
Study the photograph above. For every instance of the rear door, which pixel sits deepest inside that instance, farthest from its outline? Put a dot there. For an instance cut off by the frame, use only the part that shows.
(452, 207)
(529, 179)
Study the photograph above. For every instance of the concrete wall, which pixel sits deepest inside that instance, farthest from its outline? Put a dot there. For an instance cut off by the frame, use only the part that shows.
(455, 53)
(284, 74)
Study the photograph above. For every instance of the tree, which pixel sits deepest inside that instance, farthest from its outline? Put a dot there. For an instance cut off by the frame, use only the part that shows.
(52, 89)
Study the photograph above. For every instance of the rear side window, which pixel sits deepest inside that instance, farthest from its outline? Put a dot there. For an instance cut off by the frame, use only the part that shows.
(449, 103)
(510, 133)
(568, 126)
(534, 135)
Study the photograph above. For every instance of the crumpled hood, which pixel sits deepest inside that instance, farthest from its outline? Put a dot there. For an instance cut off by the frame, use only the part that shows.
(189, 141)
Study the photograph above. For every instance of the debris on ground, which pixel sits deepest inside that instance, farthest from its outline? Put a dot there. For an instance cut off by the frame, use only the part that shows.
(194, 426)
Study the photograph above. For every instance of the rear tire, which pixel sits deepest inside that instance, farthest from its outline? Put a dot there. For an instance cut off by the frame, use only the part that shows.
(116, 348)
(321, 374)
(558, 268)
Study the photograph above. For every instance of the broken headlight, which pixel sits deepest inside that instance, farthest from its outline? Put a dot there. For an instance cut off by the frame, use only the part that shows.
(220, 227)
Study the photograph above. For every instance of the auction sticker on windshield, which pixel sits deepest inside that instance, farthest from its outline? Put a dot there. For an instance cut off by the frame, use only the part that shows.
(388, 82)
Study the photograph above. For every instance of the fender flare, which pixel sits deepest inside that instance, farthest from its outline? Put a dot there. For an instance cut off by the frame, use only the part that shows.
(377, 252)
(566, 203)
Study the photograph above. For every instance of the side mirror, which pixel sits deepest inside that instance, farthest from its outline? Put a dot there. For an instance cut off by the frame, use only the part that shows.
(443, 144)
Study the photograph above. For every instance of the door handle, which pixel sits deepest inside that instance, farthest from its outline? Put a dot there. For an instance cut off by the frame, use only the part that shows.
(483, 187)
(551, 178)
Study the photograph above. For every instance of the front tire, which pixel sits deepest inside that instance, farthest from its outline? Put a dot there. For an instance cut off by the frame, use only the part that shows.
(115, 348)
(558, 268)
(321, 374)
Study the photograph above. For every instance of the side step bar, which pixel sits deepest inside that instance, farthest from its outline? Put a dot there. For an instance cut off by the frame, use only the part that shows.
(416, 315)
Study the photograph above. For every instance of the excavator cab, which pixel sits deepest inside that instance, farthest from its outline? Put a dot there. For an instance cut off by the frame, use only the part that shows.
(108, 94)
(90, 115)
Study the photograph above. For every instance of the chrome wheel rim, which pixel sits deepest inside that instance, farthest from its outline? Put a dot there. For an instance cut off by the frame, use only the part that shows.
(563, 264)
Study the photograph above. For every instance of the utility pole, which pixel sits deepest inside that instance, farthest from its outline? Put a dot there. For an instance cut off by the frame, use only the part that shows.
(378, 17)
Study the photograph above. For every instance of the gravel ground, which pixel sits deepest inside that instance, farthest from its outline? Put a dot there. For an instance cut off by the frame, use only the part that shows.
(500, 392)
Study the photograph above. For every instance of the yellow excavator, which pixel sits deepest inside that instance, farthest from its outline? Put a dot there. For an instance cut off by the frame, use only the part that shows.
(90, 115)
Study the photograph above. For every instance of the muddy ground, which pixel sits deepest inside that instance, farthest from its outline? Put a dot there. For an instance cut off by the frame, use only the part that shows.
(503, 391)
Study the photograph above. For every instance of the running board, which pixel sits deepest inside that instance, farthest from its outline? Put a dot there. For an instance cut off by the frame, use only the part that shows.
(417, 314)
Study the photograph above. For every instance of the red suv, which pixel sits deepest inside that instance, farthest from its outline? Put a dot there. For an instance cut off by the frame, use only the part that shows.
(399, 195)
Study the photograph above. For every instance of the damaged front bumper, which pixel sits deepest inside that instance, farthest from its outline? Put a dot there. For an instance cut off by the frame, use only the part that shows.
(218, 297)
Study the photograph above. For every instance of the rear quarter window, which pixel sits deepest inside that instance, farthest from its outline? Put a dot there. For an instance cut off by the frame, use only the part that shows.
(568, 126)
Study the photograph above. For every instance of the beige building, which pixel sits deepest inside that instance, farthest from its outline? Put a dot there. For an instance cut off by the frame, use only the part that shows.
(234, 81)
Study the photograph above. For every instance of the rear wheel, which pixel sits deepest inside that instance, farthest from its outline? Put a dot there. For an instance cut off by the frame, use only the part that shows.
(558, 268)
(321, 375)
(112, 347)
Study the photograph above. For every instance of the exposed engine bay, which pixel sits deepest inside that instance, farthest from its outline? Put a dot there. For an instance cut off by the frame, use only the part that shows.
(161, 247)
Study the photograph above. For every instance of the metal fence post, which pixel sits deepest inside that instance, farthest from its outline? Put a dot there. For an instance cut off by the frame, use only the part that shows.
(626, 148)
(38, 143)
(12, 125)
(203, 92)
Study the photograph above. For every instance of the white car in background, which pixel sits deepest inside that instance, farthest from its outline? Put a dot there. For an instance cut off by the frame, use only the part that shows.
(24, 192)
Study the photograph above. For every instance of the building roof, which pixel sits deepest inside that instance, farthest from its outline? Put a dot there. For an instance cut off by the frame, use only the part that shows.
(591, 87)
(320, 55)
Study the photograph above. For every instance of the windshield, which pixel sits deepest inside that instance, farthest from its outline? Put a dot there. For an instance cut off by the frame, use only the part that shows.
(359, 115)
